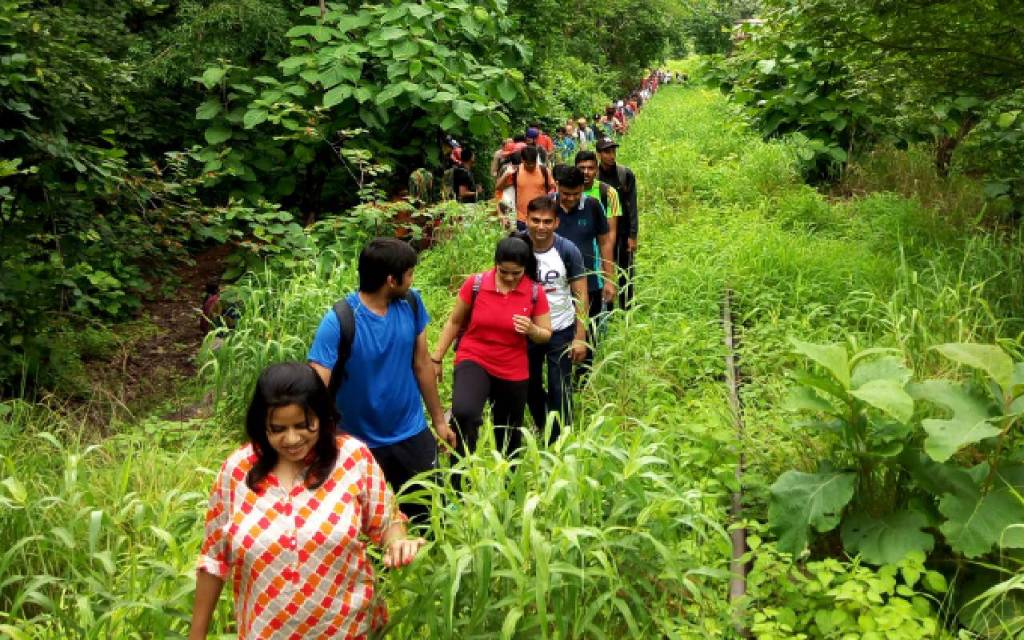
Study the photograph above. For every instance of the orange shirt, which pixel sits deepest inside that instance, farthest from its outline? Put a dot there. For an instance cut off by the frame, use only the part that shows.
(528, 186)
(297, 559)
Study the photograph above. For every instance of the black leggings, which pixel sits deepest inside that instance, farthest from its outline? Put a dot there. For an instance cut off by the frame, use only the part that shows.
(472, 386)
(403, 460)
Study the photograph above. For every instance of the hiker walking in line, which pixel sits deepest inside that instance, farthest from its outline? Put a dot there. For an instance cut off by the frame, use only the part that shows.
(498, 312)
(622, 179)
(463, 183)
(528, 180)
(582, 221)
(286, 515)
(586, 161)
(533, 139)
(371, 351)
(560, 270)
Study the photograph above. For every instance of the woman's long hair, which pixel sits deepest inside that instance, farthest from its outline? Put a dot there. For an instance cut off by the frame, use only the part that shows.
(280, 385)
(515, 249)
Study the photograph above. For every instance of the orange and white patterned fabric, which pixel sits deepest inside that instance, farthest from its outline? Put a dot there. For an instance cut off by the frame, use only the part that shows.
(296, 559)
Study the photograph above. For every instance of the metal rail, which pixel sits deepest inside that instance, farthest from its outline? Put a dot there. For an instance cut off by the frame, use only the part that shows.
(737, 566)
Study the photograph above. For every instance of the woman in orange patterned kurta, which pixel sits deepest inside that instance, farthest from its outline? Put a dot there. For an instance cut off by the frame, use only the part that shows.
(286, 518)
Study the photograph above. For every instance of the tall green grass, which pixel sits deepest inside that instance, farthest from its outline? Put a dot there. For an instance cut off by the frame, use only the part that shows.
(620, 530)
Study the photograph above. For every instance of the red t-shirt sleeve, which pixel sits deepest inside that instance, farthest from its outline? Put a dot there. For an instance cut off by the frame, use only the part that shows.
(541, 307)
(466, 290)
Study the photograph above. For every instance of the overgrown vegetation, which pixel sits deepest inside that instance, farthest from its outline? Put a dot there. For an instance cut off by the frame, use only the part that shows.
(137, 133)
(849, 75)
(621, 529)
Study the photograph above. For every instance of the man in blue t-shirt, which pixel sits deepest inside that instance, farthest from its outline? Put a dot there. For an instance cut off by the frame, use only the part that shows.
(388, 369)
(582, 221)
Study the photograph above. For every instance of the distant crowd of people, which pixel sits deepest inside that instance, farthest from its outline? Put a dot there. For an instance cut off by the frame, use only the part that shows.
(332, 440)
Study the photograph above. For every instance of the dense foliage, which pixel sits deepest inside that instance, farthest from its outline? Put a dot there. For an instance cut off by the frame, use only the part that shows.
(850, 74)
(135, 133)
(621, 529)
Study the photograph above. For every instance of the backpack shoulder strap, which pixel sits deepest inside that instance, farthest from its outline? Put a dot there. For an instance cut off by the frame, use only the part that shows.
(602, 189)
(547, 179)
(346, 336)
(413, 301)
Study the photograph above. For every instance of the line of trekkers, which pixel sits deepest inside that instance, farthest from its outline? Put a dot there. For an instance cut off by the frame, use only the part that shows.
(332, 440)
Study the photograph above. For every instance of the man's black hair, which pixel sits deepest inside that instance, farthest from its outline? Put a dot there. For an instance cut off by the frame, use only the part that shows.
(381, 258)
(584, 156)
(558, 171)
(467, 155)
(571, 178)
(541, 203)
(529, 155)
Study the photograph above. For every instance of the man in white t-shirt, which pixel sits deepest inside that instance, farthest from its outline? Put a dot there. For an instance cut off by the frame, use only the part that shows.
(561, 272)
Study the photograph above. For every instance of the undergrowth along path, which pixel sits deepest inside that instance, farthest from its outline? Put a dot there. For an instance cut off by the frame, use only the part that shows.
(621, 529)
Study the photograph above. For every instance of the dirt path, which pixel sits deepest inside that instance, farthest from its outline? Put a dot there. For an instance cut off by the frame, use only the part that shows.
(157, 354)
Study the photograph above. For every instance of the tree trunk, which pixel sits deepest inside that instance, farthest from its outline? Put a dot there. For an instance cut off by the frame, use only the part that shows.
(946, 145)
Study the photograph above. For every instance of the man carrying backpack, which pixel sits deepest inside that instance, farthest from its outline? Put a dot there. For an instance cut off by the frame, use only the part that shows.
(624, 181)
(586, 161)
(529, 180)
(371, 351)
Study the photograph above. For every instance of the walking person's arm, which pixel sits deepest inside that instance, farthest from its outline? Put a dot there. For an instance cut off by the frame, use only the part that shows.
(634, 215)
(426, 378)
(579, 341)
(208, 588)
(448, 334)
(604, 243)
(537, 328)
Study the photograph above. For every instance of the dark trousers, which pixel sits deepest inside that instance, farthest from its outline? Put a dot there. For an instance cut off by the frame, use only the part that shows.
(472, 387)
(627, 270)
(557, 361)
(596, 317)
(403, 460)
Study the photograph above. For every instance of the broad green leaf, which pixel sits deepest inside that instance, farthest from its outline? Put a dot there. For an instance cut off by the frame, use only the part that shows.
(968, 425)
(887, 396)
(337, 95)
(831, 356)
(988, 357)
(254, 117)
(1006, 119)
(479, 125)
(208, 110)
(389, 93)
(507, 90)
(888, 539)
(217, 134)
(883, 368)
(212, 76)
(463, 109)
(358, 21)
(392, 33)
(800, 501)
(338, 73)
(976, 523)
(405, 50)
(802, 398)
(935, 477)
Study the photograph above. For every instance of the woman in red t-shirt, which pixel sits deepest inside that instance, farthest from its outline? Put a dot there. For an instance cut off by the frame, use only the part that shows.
(500, 310)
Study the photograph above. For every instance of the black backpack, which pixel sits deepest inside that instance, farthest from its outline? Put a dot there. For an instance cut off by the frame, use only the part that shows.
(347, 335)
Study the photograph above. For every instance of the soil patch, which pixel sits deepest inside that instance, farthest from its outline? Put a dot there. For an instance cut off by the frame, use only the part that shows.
(156, 354)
